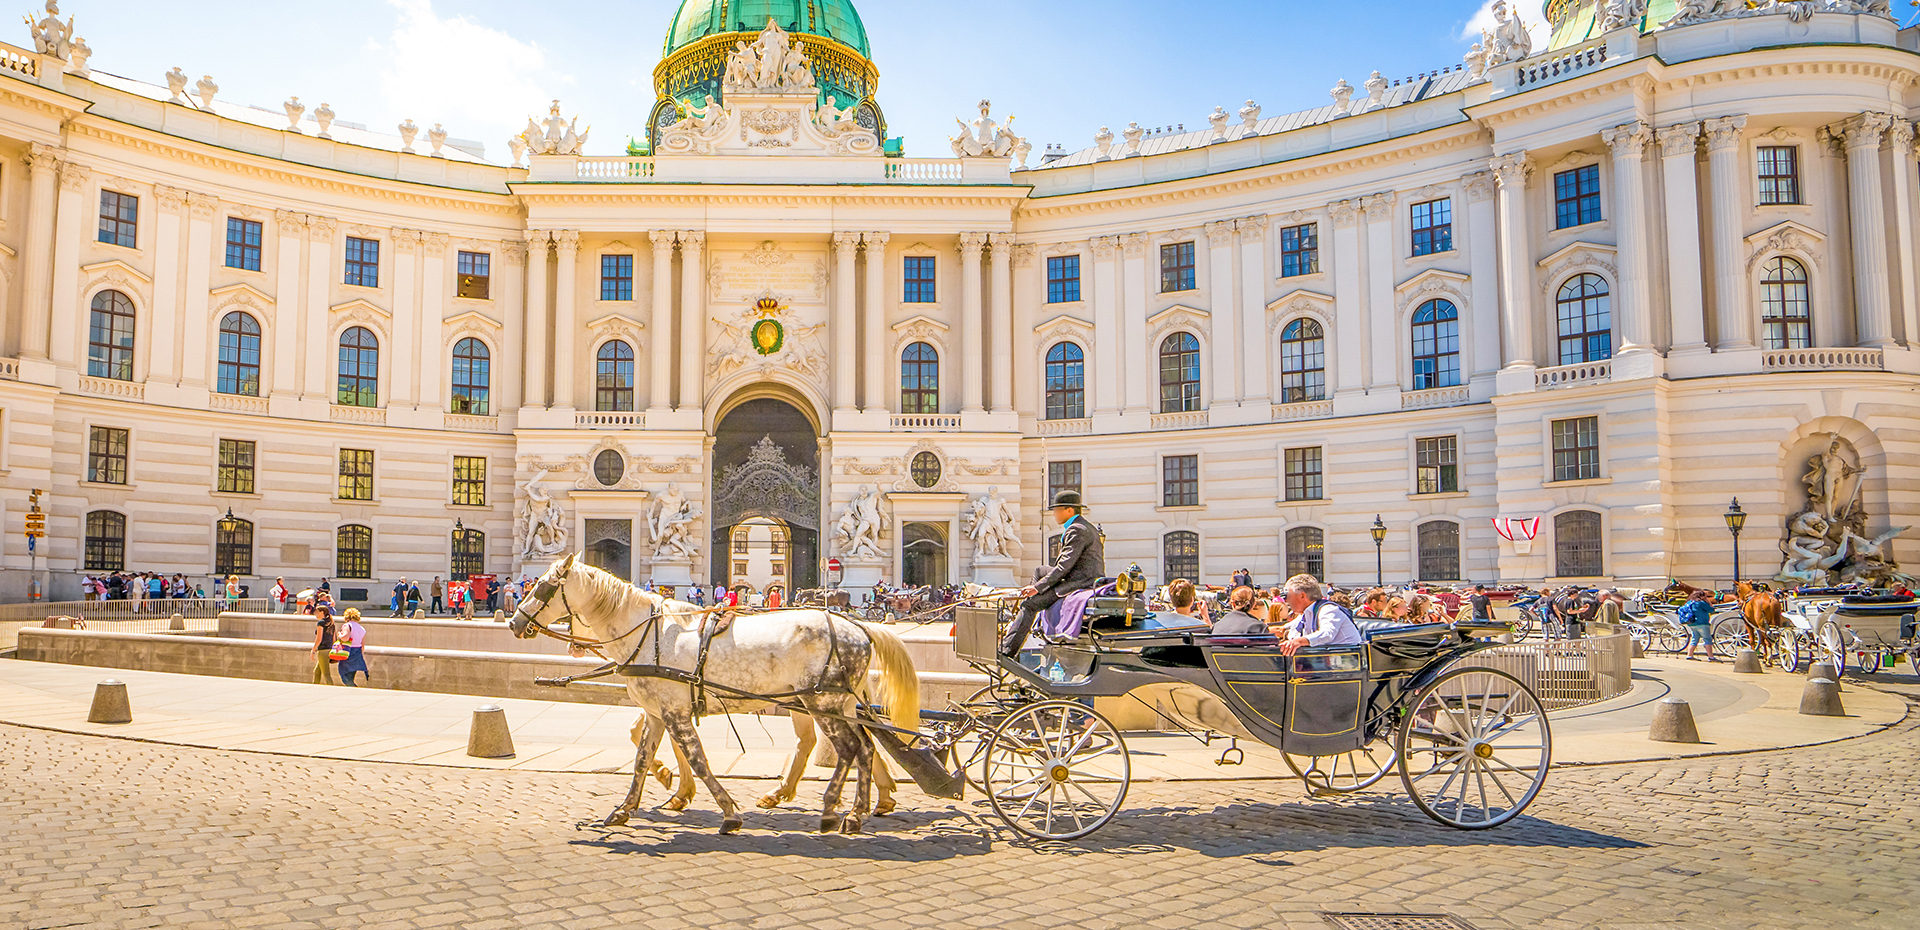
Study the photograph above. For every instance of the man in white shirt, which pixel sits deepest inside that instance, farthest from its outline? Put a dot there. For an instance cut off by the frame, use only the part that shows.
(1318, 622)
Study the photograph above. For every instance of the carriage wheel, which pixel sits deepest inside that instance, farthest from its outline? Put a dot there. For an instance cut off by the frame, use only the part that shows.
(1830, 645)
(1869, 662)
(1474, 748)
(1343, 772)
(1913, 663)
(1056, 770)
(986, 709)
(1791, 642)
(1674, 641)
(1730, 636)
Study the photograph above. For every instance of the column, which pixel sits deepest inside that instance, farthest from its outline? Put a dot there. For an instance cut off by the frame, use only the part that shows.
(1383, 343)
(875, 346)
(660, 324)
(162, 351)
(1002, 331)
(566, 325)
(845, 343)
(321, 381)
(198, 336)
(405, 308)
(1027, 290)
(1686, 287)
(1350, 304)
(693, 319)
(1516, 259)
(1900, 137)
(1872, 308)
(433, 309)
(1107, 357)
(510, 363)
(37, 259)
(1483, 265)
(1632, 317)
(539, 317)
(289, 362)
(1732, 320)
(1223, 323)
(972, 320)
(1133, 349)
(1251, 335)
(71, 220)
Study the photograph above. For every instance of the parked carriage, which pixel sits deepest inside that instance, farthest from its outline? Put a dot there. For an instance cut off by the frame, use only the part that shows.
(1851, 629)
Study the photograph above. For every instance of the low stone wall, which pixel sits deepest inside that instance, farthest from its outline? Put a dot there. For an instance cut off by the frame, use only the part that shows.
(456, 635)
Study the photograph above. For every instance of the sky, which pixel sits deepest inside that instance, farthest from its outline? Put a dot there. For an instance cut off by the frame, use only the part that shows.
(1062, 68)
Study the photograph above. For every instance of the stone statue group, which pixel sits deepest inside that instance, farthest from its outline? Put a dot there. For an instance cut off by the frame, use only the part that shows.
(541, 526)
(990, 523)
(1827, 542)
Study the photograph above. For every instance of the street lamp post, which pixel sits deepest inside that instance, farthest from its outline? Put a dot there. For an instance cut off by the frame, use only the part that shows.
(227, 526)
(1379, 531)
(1736, 519)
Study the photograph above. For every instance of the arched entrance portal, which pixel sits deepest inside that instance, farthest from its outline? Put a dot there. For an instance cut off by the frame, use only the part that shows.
(766, 469)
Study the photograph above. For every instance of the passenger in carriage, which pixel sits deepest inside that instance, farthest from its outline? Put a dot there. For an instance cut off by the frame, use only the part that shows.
(1244, 616)
(1318, 622)
(1186, 603)
(1080, 565)
(1373, 604)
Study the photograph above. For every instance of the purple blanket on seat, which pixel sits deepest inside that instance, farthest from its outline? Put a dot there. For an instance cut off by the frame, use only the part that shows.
(1064, 618)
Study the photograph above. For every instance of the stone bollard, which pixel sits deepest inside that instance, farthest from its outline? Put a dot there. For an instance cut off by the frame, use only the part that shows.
(1822, 670)
(1639, 649)
(419, 615)
(1822, 698)
(1747, 661)
(177, 624)
(1673, 722)
(499, 616)
(489, 738)
(110, 703)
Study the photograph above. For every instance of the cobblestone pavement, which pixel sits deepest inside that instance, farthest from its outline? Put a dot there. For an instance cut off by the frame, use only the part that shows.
(99, 832)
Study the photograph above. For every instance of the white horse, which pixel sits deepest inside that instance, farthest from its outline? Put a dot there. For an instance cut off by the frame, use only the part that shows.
(809, 657)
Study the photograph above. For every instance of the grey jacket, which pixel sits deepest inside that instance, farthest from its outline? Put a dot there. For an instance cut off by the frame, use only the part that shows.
(1081, 564)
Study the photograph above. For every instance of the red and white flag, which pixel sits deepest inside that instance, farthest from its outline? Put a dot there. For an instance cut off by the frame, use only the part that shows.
(1512, 529)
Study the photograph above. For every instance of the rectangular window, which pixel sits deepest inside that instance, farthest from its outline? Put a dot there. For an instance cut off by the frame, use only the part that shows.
(1063, 279)
(243, 244)
(739, 568)
(363, 262)
(1180, 481)
(740, 545)
(1436, 466)
(1303, 474)
(1176, 267)
(1576, 449)
(1779, 174)
(236, 466)
(616, 277)
(1433, 226)
(919, 276)
(356, 474)
(1576, 197)
(107, 455)
(119, 216)
(475, 270)
(470, 480)
(1300, 250)
(1062, 476)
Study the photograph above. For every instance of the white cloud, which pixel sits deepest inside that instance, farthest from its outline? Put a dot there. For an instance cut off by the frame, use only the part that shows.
(1532, 12)
(480, 82)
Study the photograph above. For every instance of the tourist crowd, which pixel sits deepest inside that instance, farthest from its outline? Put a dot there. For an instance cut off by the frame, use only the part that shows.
(139, 588)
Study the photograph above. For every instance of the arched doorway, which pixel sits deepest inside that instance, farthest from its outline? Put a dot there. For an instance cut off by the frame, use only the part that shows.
(766, 474)
(923, 554)
(762, 554)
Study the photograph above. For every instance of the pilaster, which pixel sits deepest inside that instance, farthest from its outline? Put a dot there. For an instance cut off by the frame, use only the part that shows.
(972, 321)
(1732, 316)
(1383, 342)
(1134, 353)
(1483, 257)
(431, 317)
(289, 317)
(1108, 358)
(1510, 174)
(196, 325)
(660, 325)
(1001, 357)
(321, 381)
(510, 368)
(68, 321)
(1900, 138)
(1632, 314)
(37, 257)
(1222, 365)
(1028, 287)
(1350, 334)
(1254, 390)
(845, 341)
(1873, 319)
(566, 318)
(539, 317)
(404, 391)
(162, 353)
(693, 319)
(875, 346)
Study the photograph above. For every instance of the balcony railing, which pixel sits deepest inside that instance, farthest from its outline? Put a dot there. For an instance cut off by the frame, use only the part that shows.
(10, 369)
(1546, 379)
(1189, 419)
(924, 169)
(615, 169)
(238, 403)
(609, 419)
(113, 387)
(1563, 65)
(473, 424)
(926, 423)
(1824, 360)
(1303, 410)
(624, 169)
(19, 61)
(1079, 426)
(1434, 397)
(374, 415)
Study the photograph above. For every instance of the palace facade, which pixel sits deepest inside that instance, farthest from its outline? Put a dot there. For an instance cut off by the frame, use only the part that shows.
(1589, 293)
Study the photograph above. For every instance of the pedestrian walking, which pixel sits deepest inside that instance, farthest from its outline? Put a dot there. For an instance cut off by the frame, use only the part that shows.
(278, 595)
(233, 592)
(399, 597)
(324, 634)
(137, 592)
(1243, 578)
(1697, 616)
(1482, 604)
(435, 592)
(413, 599)
(356, 637)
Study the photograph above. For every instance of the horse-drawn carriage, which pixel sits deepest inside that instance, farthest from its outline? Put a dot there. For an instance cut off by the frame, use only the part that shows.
(1851, 629)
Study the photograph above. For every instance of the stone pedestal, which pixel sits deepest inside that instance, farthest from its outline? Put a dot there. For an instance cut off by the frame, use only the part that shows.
(999, 571)
(861, 574)
(678, 572)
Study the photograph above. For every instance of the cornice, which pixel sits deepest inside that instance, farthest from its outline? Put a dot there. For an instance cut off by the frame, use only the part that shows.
(553, 195)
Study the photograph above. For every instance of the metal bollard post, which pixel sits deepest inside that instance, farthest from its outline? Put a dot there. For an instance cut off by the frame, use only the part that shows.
(489, 738)
(1673, 722)
(110, 703)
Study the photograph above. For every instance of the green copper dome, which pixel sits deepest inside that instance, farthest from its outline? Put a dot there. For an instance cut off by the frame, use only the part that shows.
(833, 19)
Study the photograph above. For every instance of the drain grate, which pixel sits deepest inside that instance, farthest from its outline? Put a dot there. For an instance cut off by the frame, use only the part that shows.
(1396, 922)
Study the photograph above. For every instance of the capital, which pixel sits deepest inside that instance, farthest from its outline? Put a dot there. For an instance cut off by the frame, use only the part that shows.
(42, 157)
(566, 240)
(436, 243)
(406, 241)
(1478, 185)
(1253, 225)
(170, 199)
(323, 227)
(1900, 134)
(1679, 139)
(845, 242)
(539, 239)
(1023, 253)
(971, 243)
(1627, 140)
(1220, 233)
(693, 240)
(662, 238)
(1105, 246)
(875, 240)
(202, 205)
(1344, 212)
(1723, 132)
(1866, 130)
(1001, 244)
(290, 222)
(1134, 244)
(74, 176)
(1378, 206)
(515, 253)
(1510, 171)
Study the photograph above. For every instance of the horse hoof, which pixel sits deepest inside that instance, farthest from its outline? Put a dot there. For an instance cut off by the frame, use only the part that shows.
(676, 804)
(769, 802)
(615, 819)
(851, 826)
(730, 825)
(884, 808)
(829, 824)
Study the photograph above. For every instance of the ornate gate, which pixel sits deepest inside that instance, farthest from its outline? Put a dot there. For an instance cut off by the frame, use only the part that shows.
(767, 484)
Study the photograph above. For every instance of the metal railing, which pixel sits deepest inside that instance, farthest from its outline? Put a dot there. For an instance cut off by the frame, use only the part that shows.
(1566, 673)
(152, 611)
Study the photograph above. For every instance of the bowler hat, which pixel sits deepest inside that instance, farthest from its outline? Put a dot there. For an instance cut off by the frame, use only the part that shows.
(1068, 499)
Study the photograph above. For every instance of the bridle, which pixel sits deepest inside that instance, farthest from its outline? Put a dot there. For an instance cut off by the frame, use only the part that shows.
(527, 624)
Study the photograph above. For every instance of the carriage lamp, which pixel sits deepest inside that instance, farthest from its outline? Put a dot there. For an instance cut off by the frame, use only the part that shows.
(1736, 520)
(1379, 531)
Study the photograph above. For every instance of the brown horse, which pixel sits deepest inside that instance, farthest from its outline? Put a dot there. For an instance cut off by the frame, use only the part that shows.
(1763, 611)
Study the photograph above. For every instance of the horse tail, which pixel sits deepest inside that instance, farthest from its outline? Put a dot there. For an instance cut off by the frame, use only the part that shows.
(899, 683)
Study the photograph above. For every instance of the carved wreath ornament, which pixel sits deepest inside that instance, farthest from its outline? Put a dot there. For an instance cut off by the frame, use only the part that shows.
(768, 335)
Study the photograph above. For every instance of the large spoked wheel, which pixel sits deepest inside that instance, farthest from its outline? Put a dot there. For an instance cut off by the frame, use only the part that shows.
(1792, 641)
(986, 708)
(1056, 771)
(1671, 640)
(1523, 624)
(1345, 772)
(1730, 636)
(1474, 748)
(1830, 645)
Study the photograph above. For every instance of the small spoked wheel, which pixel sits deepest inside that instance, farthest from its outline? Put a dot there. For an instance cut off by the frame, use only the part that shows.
(1791, 642)
(1345, 772)
(1056, 770)
(1730, 636)
(1830, 645)
(1869, 662)
(1474, 748)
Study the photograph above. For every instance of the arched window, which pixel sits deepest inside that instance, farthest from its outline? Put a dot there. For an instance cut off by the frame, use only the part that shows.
(106, 541)
(353, 551)
(1182, 555)
(1585, 319)
(233, 547)
(239, 371)
(1303, 362)
(1786, 311)
(613, 377)
(919, 379)
(1066, 382)
(110, 337)
(471, 377)
(1436, 345)
(359, 368)
(1576, 544)
(1179, 373)
(1307, 552)
(1439, 542)
(469, 554)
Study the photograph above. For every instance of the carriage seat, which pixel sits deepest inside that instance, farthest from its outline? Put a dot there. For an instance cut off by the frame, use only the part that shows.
(1853, 599)
(1382, 628)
